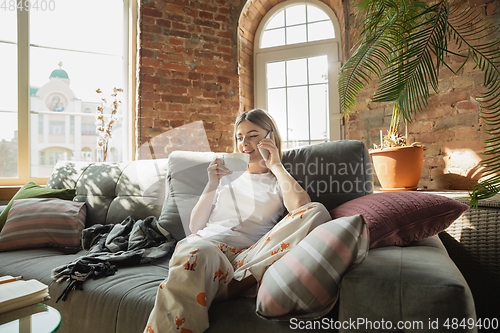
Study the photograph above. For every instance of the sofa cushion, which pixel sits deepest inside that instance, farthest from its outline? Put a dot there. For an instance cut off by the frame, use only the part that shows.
(114, 191)
(32, 190)
(304, 283)
(332, 172)
(186, 178)
(414, 285)
(399, 218)
(48, 222)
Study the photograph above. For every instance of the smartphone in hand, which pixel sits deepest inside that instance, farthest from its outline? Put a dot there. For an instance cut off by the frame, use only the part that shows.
(265, 152)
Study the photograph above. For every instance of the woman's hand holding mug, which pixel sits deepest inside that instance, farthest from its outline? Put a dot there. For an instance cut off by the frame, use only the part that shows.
(216, 170)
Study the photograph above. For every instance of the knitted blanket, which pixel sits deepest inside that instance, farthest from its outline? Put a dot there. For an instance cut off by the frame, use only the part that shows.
(128, 243)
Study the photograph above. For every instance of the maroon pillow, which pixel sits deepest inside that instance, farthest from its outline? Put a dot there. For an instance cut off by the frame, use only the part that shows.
(399, 218)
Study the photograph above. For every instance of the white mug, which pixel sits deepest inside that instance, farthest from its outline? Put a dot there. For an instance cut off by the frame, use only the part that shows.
(236, 161)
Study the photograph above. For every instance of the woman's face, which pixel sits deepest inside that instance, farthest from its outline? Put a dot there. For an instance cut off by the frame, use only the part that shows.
(248, 136)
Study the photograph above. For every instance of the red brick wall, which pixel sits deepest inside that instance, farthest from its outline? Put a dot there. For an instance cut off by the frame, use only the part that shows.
(196, 64)
(187, 71)
(450, 127)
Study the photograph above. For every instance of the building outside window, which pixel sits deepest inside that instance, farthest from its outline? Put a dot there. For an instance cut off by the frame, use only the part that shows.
(296, 71)
(86, 154)
(88, 129)
(57, 155)
(60, 60)
(42, 158)
(56, 128)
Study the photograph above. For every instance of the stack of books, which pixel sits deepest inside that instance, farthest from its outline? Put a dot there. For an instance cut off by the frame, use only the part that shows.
(16, 293)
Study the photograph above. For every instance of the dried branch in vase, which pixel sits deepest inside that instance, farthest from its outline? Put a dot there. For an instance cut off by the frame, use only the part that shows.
(104, 127)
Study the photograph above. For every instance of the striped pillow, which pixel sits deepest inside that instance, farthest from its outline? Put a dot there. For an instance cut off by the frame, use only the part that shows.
(48, 222)
(304, 283)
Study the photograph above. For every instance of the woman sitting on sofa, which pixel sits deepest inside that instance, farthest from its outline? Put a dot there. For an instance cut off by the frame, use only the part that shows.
(233, 242)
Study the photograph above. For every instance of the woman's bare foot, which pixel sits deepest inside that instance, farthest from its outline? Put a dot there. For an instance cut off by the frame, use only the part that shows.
(235, 287)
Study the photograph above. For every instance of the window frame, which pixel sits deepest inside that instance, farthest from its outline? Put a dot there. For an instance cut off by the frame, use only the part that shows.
(331, 47)
(130, 15)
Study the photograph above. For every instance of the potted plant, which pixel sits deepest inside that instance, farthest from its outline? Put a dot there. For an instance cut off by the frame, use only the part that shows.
(404, 44)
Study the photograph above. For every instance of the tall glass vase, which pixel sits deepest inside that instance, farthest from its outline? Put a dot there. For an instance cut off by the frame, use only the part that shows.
(100, 154)
(102, 151)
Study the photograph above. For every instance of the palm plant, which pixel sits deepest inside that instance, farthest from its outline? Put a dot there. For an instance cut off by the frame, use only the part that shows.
(404, 44)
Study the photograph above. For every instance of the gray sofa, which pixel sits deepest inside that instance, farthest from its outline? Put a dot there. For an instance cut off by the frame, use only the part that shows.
(415, 283)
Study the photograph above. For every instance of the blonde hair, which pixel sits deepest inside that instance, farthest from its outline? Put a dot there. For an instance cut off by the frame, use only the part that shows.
(262, 119)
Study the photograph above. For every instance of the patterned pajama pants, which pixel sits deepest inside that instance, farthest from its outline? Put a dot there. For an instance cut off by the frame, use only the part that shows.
(200, 270)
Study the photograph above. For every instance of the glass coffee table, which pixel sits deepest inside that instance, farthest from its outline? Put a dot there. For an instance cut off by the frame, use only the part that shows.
(37, 318)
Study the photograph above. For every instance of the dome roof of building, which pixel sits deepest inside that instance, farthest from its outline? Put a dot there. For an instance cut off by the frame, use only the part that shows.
(59, 73)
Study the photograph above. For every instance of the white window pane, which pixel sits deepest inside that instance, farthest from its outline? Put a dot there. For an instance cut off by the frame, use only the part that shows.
(273, 38)
(276, 105)
(296, 72)
(275, 74)
(315, 14)
(295, 15)
(318, 103)
(277, 21)
(318, 69)
(298, 122)
(8, 25)
(320, 31)
(91, 25)
(296, 34)
(8, 126)
(8, 78)
(8, 145)
(8, 94)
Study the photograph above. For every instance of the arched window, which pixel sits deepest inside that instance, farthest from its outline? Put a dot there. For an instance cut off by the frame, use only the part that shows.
(296, 71)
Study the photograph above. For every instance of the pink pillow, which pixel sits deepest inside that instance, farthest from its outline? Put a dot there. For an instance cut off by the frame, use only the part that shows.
(399, 218)
(305, 282)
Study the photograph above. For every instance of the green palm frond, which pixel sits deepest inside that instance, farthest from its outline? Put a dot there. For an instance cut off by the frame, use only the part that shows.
(386, 26)
(484, 190)
(416, 66)
(367, 60)
(404, 43)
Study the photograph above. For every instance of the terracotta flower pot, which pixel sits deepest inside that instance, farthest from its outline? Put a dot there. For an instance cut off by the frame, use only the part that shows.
(398, 168)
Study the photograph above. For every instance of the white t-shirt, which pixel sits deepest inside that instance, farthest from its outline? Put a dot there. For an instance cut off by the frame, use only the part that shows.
(257, 198)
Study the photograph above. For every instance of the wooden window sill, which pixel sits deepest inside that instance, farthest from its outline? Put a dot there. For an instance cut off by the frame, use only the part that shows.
(7, 192)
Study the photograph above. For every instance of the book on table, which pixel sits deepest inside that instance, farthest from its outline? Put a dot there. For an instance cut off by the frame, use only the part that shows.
(21, 293)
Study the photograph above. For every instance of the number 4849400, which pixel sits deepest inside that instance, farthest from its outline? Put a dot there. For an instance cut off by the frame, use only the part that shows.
(27, 5)
(470, 323)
